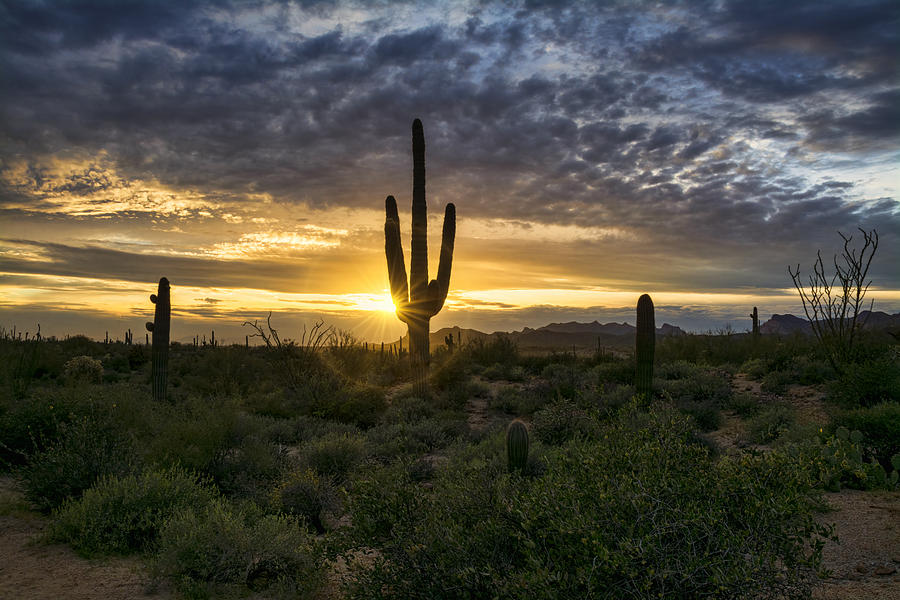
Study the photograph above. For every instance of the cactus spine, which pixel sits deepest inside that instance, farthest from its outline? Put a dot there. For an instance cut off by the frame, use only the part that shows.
(160, 330)
(517, 445)
(644, 346)
(755, 316)
(418, 300)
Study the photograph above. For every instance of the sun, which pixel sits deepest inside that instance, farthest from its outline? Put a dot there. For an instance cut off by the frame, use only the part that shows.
(374, 303)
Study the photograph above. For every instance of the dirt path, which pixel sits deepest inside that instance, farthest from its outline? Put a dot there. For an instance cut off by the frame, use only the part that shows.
(31, 570)
(865, 563)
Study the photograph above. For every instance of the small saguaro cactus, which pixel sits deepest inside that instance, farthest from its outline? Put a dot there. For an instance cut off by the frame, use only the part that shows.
(160, 330)
(517, 445)
(644, 346)
(755, 316)
(417, 300)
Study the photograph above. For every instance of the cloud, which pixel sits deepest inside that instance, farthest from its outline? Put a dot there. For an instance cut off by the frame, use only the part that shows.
(727, 140)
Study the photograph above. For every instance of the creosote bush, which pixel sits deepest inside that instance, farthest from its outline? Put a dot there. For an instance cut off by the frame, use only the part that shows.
(218, 549)
(120, 515)
(729, 528)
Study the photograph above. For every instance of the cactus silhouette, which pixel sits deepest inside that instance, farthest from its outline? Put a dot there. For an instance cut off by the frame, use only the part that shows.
(417, 300)
(517, 445)
(160, 330)
(755, 316)
(644, 346)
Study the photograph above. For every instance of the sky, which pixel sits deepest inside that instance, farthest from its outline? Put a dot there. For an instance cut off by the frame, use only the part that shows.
(594, 151)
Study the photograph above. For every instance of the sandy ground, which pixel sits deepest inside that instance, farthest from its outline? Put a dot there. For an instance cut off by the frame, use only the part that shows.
(32, 570)
(865, 563)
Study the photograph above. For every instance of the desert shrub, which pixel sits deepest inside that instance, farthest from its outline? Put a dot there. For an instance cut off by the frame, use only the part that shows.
(248, 468)
(776, 382)
(119, 515)
(563, 380)
(612, 397)
(503, 372)
(745, 405)
(496, 349)
(755, 368)
(218, 548)
(518, 401)
(359, 405)
(29, 426)
(729, 528)
(409, 409)
(452, 371)
(699, 387)
(333, 455)
(306, 494)
(560, 422)
(807, 370)
(83, 369)
(770, 423)
(619, 371)
(87, 449)
(679, 369)
(388, 442)
(194, 434)
(867, 384)
(707, 415)
(880, 427)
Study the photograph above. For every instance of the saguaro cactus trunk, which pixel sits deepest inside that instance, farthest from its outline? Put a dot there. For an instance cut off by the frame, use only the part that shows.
(755, 316)
(160, 330)
(417, 300)
(644, 346)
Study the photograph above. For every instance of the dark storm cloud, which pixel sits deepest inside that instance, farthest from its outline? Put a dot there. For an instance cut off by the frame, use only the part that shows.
(97, 262)
(618, 115)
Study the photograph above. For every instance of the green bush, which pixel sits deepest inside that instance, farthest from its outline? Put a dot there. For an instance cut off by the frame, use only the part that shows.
(642, 512)
(333, 455)
(249, 468)
(699, 387)
(218, 548)
(31, 425)
(776, 382)
(560, 422)
(745, 405)
(83, 369)
(518, 401)
(880, 426)
(770, 424)
(88, 449)
(119, 515)
(867, 384)
(707, 416)
(305, 494)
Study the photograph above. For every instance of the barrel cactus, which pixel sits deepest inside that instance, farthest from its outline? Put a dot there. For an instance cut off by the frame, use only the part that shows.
(160, 330)
(644, 347)
(517, 445)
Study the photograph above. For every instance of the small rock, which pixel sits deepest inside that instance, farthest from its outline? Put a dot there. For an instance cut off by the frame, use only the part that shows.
(853, 576)
(862, 568)
(886, 570)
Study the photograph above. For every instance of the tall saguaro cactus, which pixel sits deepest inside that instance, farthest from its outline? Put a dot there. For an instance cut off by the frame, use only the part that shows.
(160, 330)
(755, 316)
(644, 346)
(417, 300)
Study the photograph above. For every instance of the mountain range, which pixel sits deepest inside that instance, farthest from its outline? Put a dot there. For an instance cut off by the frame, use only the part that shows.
(589, 336)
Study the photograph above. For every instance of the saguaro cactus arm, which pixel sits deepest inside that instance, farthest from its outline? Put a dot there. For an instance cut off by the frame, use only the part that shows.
(393, 250)
(438, 288)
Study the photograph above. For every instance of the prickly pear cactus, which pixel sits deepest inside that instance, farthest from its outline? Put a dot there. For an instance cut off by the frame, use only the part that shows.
(160, 330)
(644, 346)
(517, 445)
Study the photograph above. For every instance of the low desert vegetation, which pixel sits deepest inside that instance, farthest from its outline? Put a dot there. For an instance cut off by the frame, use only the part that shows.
(243, 481)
